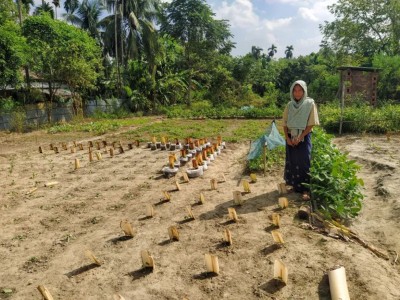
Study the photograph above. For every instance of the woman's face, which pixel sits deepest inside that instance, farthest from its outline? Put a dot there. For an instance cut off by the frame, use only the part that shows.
(298, 92)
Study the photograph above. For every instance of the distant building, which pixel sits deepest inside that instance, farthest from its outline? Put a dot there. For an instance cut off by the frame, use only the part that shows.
(360, 81)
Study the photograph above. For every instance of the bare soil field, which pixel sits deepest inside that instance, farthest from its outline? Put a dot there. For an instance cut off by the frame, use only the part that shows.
(45, 230)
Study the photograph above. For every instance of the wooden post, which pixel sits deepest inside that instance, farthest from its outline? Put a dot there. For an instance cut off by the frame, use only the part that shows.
(265, 159)
(342, 106)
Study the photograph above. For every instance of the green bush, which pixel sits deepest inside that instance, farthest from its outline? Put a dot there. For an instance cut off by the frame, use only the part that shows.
(18, 119)
(334, 184)
(360, 117)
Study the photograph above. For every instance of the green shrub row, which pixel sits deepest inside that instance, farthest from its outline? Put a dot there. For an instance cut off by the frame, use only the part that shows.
(360, 118)
(211, 112)
(334, 186)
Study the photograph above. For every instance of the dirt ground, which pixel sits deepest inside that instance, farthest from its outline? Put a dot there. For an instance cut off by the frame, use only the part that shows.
(45, 232)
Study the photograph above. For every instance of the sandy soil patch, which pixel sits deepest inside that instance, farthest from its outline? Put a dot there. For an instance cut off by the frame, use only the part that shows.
(44, 233)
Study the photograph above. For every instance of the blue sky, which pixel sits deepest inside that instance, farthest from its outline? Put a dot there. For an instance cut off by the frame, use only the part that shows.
(280, 22)
(262, 23)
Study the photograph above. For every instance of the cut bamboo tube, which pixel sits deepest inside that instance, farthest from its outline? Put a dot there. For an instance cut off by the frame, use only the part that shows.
(338, 283)
(190, 213)
(121, 149)
(280, 271)
(212, 264)
(31, 191)
(98, 147)
(202, 199)
(223, 177)
(282, 188)
(98, 155)
(194, 164)
(276, 219)
(147, 259)
(104, 144)
(237, 197)
(73, 149)
(178, 187)
(283, 202)
(64, 146)
(77, 164)
(127, 228)
(90, 156)
(213, 184)
(51, 183)
(277, 236)
(118, 297)
(232, 214)
(51, 147)
(89, 254)
(90, 144)
(137, 142)
(227, 236)
(246, 186)
(40, 149)
(167, 196)
(111, 152)
(171, 159)
(80, 146)
(253, 177)
(56, 150)
(74, 142)
(45, 292)
(130, 146)
(185, 177)
(173, 233)
(150, 211)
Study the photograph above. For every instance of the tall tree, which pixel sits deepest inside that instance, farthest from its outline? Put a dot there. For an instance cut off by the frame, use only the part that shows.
(272, 50)
(62, 54)
(256, 52)
(56, 4)
(88, 16)
(192, 23)
(289, 51)
(45, 8)
(364, 27)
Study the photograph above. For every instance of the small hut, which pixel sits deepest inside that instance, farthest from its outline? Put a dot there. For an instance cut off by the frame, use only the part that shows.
(359, 81)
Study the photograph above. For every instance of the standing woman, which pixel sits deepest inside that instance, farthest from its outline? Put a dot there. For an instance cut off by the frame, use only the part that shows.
(299, 117)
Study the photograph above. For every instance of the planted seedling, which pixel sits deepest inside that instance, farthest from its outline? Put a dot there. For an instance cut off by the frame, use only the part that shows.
(246, 186)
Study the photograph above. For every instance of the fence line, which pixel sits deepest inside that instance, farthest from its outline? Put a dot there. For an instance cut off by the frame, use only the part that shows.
(39, 116)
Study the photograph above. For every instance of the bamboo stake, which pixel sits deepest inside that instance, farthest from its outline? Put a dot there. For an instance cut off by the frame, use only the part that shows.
(338, 284)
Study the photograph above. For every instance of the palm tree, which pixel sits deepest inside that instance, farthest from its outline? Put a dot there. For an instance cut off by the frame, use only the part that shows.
(70, 7)
(289, 51)
(272, 51)
(56, 4)
(87, 16)
(256, 52)
(44, 8)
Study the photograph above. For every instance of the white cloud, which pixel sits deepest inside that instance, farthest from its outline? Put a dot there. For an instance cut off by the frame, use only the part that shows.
(278, 23)
(318, 12)
(296, 25)
(240, 13)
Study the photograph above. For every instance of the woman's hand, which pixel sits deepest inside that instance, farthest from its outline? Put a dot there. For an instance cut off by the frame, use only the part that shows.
(296, 140)
(289, 141)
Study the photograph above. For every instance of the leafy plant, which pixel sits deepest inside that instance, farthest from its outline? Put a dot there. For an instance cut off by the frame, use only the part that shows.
(334, 185)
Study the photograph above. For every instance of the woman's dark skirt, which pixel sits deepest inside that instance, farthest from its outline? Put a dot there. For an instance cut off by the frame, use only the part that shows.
(297, 165)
